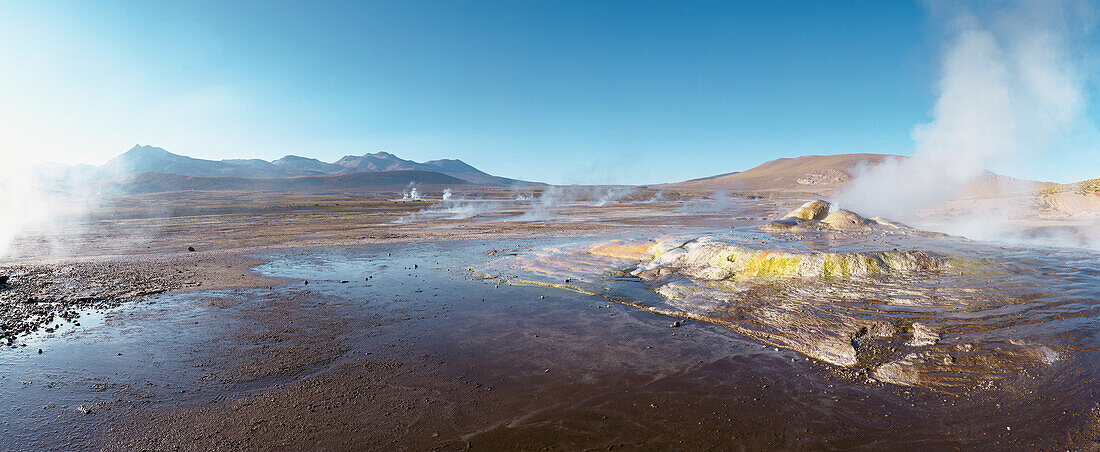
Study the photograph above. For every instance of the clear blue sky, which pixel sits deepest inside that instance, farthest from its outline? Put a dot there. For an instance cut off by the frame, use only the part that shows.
(563, 92)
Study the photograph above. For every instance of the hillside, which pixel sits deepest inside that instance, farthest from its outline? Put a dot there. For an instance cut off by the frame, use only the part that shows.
(154, 160)
(810, 173)
(824, 174)
(150, 159)
(365, 181)
(1076, 199)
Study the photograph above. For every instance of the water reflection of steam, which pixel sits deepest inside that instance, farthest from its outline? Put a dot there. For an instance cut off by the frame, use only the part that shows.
(982, 319)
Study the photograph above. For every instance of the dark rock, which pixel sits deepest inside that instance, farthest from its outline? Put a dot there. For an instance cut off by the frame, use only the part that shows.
(39, 351)
(3, 279)
(191, 249)
(675, 324)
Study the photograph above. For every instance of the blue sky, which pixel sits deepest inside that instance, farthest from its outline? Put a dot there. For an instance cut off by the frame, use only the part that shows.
(563, 92)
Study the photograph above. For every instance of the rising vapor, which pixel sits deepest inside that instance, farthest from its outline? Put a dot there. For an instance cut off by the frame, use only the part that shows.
(1011, 82)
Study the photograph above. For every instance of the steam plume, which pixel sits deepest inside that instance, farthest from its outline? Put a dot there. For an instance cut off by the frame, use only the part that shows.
(1010, 83)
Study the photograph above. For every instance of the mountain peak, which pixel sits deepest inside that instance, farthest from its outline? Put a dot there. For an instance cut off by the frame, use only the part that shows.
(144, 149)
(294, 158)
(152, 159)
(452, 165)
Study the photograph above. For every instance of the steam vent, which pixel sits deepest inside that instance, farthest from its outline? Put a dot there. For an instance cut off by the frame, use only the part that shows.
(820, 215)
(710, 258)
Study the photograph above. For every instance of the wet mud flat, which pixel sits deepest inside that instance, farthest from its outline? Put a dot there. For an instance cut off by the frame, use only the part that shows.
(43, 295)
(141, 245)
(402, 346)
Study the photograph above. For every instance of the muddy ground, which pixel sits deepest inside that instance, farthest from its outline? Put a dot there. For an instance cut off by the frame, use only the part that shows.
(404, 350)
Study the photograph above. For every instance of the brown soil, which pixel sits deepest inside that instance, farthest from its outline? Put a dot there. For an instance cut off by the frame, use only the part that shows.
(293, 366)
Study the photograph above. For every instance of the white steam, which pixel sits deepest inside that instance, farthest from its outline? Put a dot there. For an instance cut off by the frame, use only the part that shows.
(718, 202)
(550, 203)
(44, 207)
(553, 199)
(21, 203)
(1011, 83)
(412, 195)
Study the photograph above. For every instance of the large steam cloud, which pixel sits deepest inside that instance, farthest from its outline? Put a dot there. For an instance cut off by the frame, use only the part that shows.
(19, 198)
(1011, 82)
(43, 201)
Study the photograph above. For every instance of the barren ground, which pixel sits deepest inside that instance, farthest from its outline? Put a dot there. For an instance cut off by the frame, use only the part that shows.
(195, 351)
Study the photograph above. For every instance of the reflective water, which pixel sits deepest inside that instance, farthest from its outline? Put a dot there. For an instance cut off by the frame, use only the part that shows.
(993, 318)
(1012, 345)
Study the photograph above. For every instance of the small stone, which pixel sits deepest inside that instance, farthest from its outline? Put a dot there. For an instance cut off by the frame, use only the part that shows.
(675, 324)
(191, 249)
(3, 279)
(39, 351)
(305, 282)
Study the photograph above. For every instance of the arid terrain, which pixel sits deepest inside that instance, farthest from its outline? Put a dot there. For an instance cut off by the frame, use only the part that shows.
(549, 226)
(224, 319)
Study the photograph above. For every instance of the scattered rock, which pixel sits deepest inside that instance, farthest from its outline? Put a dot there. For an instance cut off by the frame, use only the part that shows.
(820, 215)
(785, 224)
(923, 335)
(844, 219)
(811, 211)
(900, 372)
(826, 176)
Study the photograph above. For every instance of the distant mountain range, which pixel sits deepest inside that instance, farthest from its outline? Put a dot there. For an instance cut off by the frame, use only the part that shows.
(352, 182)
(150, 168)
